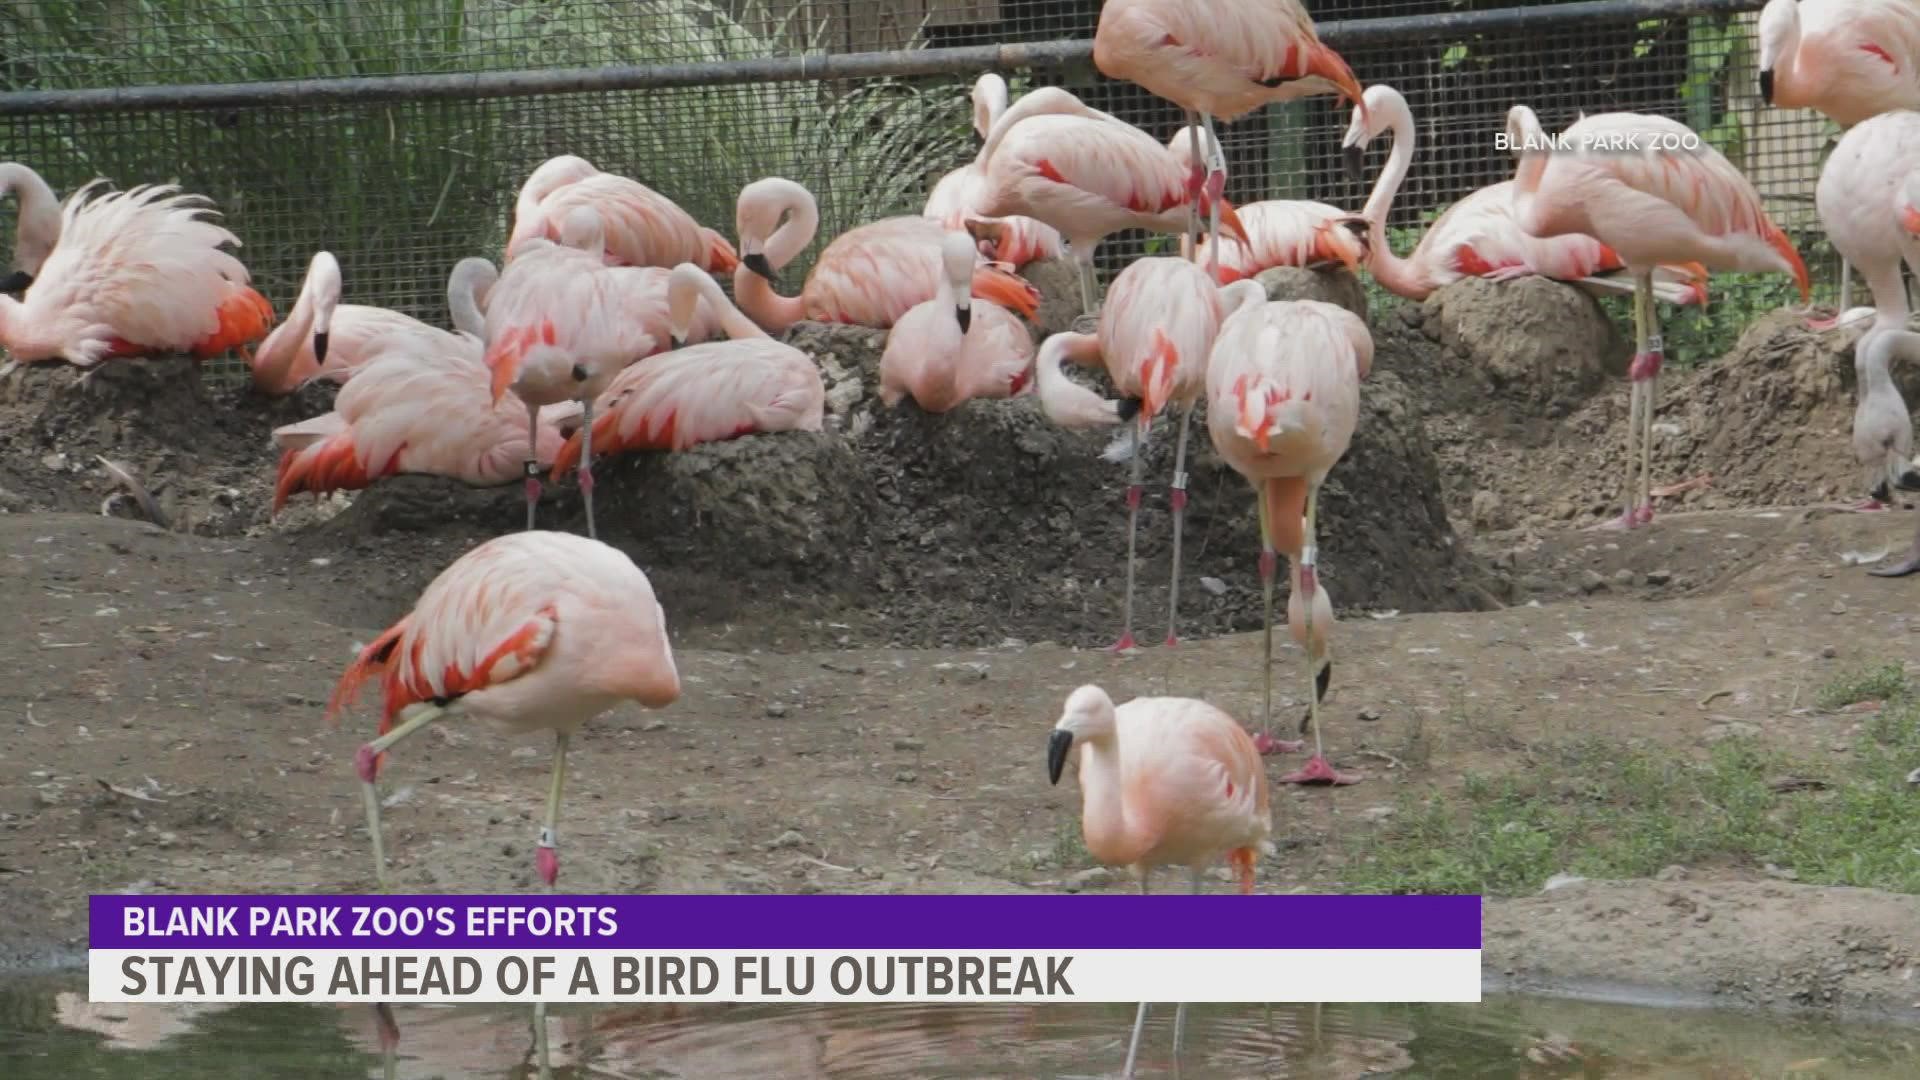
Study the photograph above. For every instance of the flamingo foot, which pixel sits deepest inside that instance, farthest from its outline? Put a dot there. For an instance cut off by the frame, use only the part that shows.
(547, 861)
(1317, 772)
(1645, 365)
(1125, 644)
(1868, 506)
(366, 762)
(1627, 520)
(1268, 745)
(1172, 640)
(1644, 515)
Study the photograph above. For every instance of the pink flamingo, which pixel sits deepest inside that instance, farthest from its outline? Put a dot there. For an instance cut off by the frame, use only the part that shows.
(704, 393)
(642, 227)
(561, 324)
(1478, 236)
(1283, 387)
(868, 276)
(1088, 174)
(1154, 335)
(1015, 240)
(321, 328)
(411, 411)
(135, 273)
(36, 227)
(1218, 58)
(1653, 191)
(533, 631)
(1163, 782)
(1281, 232)
(950, 349)
(1847, 59)
(1882, 426)
(1857, 187)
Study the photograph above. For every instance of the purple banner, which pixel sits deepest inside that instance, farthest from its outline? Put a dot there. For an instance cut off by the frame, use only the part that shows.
(812, 922)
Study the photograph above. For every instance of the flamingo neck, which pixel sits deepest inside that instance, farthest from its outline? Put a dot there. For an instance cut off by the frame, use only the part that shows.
(1103, 812)
(463, 301)
(754, 293)
(1402, 277)
(285, 359)
(732, 321)
(38, 223)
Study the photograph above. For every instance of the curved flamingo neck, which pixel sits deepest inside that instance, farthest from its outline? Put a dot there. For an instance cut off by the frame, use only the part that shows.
(754, 293)
(1403, 277)
(38, 222)
(1103, 812)
(732, 321)
(288, 363)
(470, 279)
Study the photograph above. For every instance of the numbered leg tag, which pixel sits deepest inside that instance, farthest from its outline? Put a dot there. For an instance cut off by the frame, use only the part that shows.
(530, 468)
(1309, 555)
(1655, 345)
(1180, 481)
(548, 839)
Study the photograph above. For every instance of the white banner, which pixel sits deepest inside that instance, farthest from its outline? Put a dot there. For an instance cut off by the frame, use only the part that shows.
(494, 976)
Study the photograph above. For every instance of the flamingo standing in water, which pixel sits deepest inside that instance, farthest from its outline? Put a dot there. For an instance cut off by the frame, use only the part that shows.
(1088, 174)
(1015, 241)
(36, 226)
(1478, 236)
(561, 324)
(1655, 192)
(1154, 336)
(1281, 232)
(533, 631)
(320, 328)
(951, 349)
(135, 273)
(1283, 389)
(1163, 782)
(1218, 58)
(867, 276)
(1847, 59)
(641, 226)
(704, 393)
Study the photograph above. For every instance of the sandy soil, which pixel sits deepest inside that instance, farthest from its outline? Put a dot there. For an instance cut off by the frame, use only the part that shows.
(876, 626)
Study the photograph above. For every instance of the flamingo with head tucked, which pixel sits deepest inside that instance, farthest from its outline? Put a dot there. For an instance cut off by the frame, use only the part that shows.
(135, 273)
(1280, 232)
(950, 349)
(1088, 174)
(1154, 336)
(1218, 58)
(323, 338)
(707, 392)
(1847, 59)
(1283, 398)
(867, 276)
(1478, 236)
(1655, 192)
(1015, 241)
(640, 226)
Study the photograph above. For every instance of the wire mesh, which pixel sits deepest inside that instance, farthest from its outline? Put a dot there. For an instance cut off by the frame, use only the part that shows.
(401, 191)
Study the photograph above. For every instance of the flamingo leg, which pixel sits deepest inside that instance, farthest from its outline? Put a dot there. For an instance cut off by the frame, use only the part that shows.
(532, 466)
(1846, 284)
(366, 764)
(1177, 498)
(1199, 177)
(1140, 1015)
(1317, 770)
(1215, 186)
(1648, 372)
(547, 860)
(586, 462)
(1089, 288)
(1134, 489)
(389, 1040)
(1269, 562)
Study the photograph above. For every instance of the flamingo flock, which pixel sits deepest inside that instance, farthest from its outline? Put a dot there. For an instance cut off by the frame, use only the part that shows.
(604, 328)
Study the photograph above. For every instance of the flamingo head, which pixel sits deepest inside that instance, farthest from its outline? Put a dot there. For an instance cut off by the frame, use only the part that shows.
(957, 257)
(758, 214)
(1779, 34)
(1523, 129)
(685, 286)
(1088, 717)
(1371, 116)
(989, 101)
(583, 230)
(322, 290)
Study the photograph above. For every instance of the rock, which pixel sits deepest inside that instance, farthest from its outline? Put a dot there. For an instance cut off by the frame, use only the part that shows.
(1535, 339)
(655, 724)
(1828, 652)
(905, 776)
(1561, 881)
(1730, 729)
(776, 708)
(1376, 813)
(1369, 715)
(1489, 514)
(792, 838)
(1082, 879)
(1591, 582)
(913, 745)
(1328, 286)
(1623, 577)
(1659, 577)
(1214, 585)
(1059, 283)
(1671, 873)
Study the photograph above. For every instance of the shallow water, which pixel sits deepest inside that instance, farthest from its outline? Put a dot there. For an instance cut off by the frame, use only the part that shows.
(47, 1029)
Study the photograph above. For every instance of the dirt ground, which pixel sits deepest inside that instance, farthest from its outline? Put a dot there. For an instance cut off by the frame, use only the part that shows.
(876, 626)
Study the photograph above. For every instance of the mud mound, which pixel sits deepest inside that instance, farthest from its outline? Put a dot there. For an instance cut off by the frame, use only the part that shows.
(1534, 341)
(1327, 286)
(203, 451)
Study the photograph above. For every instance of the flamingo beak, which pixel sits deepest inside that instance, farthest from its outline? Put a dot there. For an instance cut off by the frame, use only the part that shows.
(757, 262)
(965, 315)
(675, 342)
(1057, 746)
(320, 349)
(16, 282)
(1766, 86)
(1355, 160)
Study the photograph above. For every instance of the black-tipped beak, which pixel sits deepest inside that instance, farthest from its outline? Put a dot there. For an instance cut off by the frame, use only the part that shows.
(676, 342)
(1128, 408)
(1057, 747)
(1766, 86)
(1355, 160)
(16, 282)
(1357, 226)
(757, 262)
(1321, 681)
(320, 348)
(965, 315)
(579, 373)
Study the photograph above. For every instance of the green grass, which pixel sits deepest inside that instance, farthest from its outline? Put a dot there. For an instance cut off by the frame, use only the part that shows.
(1604, 808)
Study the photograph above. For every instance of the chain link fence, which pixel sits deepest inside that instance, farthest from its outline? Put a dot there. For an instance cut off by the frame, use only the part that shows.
(396, 134)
